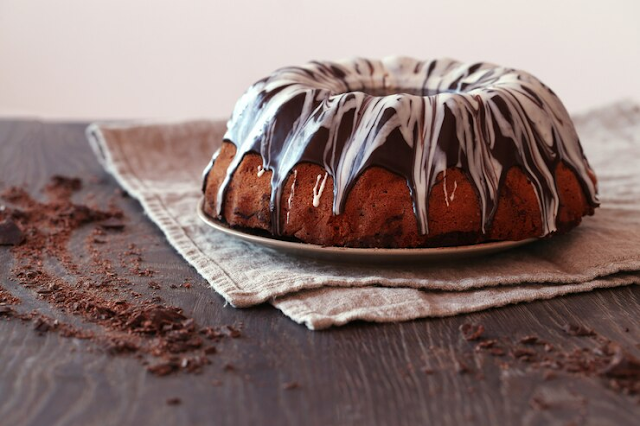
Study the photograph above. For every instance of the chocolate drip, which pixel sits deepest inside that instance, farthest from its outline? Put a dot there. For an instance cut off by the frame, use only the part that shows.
(414, 118)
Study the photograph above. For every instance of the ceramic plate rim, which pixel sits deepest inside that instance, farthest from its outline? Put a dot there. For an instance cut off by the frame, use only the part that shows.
(292, 246)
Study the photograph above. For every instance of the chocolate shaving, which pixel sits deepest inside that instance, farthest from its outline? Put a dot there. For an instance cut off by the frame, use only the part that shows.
(164, 368)
(496, 351)
(232, 332)
(43, 324)
(490, 346)
(93, 292)
(112, 224)
(624, 365)
(619, 369)
(10, 233)
(460, 366)
(174, 401)
(623, 372)
(7, 298)
(538, 403)
(290, 385)
(530, 340)
(486, 344)
(524, 354)
(63, 185)
(577, 330)
(471, 331)
(212, 333)
(7, 311)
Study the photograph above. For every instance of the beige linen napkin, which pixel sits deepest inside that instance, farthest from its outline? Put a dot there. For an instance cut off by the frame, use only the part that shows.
(161, 165)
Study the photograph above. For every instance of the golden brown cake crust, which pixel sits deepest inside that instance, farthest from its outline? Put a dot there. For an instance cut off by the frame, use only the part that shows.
(379, 210)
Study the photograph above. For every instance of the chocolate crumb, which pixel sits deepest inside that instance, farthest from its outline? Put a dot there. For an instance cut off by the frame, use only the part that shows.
(122, 193)
(7, 298)
(290, 385)
(232, 332)
(112, 223)
(471, 331)
(7, 311)
(10, 233)
(116, 345)
(43, 324)
(63, 184)
(577, 330)
(211, 333)
(486, 344)
(174, 401)
(164, 368)
(538, 403)
(624, 369)
(524, 354)
(529, 340)
(490, 346)
(92, 291)
(496, 351)
(460, 366)
(619, 369)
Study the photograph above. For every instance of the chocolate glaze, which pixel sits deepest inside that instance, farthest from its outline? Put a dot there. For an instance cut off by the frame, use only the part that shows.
(414, 118)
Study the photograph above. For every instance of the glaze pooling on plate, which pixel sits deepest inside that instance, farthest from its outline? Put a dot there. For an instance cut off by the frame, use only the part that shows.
(414, 118)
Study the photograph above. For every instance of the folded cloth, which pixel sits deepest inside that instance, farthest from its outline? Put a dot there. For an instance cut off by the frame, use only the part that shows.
(161, 165)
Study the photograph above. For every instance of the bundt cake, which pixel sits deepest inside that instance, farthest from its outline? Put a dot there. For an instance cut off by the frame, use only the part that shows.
(400, 153)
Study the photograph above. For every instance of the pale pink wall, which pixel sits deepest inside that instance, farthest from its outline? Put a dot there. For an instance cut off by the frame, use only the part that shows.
(193, 58)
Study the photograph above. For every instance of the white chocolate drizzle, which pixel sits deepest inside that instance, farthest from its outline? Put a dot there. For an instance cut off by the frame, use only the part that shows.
(448, 198)
(291, 193)
(317, 191)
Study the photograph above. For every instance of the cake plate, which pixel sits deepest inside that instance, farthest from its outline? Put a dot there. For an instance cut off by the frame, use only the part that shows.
(363, 255)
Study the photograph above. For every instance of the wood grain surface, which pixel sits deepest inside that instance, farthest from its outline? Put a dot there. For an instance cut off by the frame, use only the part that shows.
(360, 374)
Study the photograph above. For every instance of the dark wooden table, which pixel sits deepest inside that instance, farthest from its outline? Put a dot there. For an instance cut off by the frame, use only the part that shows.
(361, 374)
